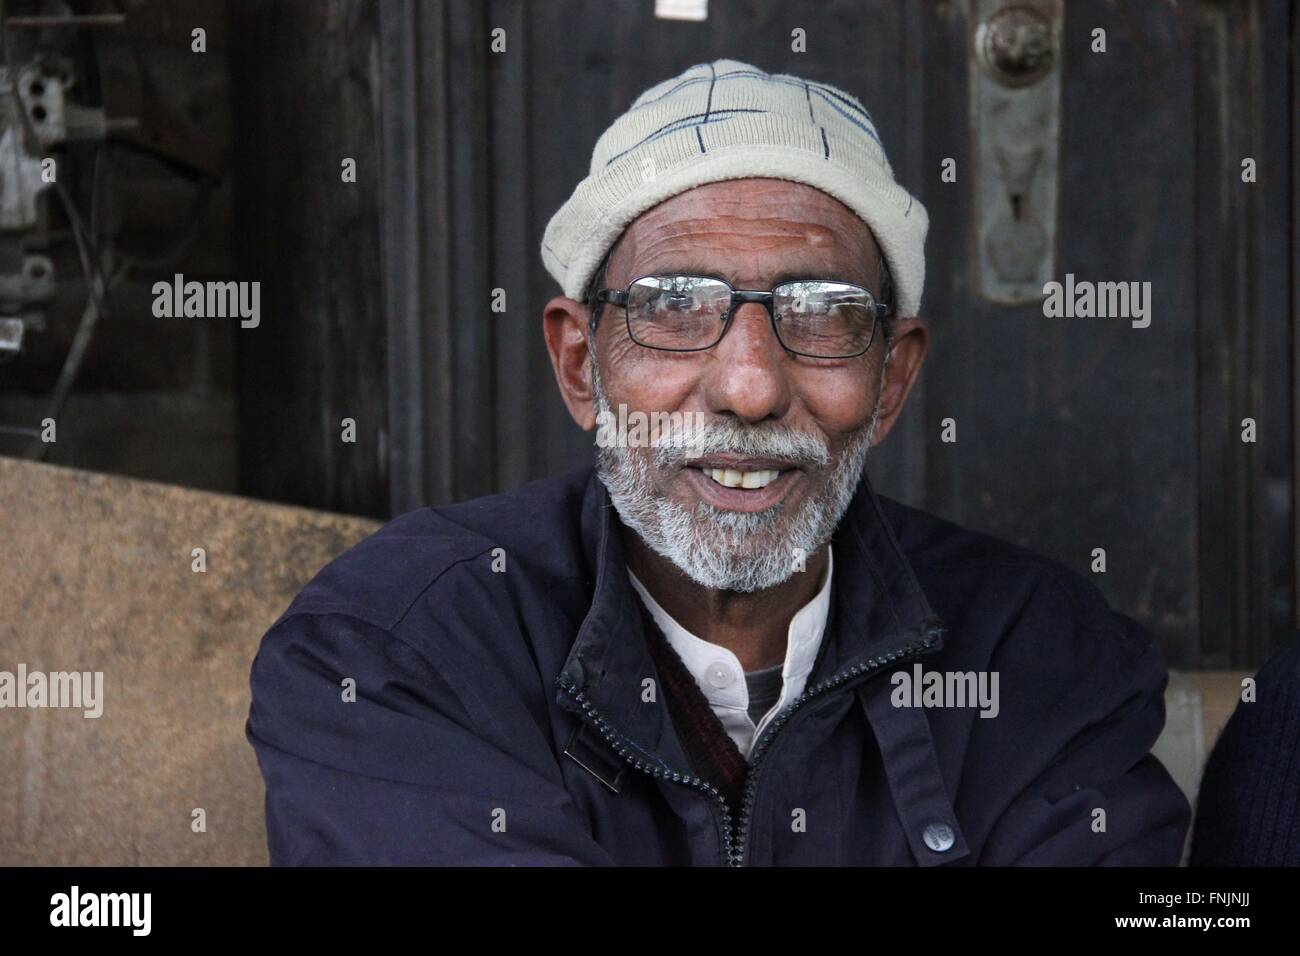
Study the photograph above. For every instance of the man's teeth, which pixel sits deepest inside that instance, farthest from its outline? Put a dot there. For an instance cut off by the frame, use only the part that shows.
(731, 478)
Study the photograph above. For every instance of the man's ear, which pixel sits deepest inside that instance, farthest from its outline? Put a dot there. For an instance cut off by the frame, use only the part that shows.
(564, 324)
(911, 342)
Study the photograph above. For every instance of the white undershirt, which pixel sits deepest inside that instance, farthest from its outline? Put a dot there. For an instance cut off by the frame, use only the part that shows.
(718, 672)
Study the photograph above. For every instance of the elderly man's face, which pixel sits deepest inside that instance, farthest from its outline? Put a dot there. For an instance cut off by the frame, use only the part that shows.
(764, 409)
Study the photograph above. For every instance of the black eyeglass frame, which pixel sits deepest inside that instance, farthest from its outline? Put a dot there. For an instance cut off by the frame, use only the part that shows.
(883, 310)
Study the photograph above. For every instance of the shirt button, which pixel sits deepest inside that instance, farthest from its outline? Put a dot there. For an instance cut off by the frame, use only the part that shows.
(720, 675)
(939, 837)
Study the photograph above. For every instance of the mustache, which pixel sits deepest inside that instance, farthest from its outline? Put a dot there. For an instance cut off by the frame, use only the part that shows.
(728, 436)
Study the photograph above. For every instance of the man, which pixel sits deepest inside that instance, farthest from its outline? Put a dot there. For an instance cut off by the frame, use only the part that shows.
(720, 646)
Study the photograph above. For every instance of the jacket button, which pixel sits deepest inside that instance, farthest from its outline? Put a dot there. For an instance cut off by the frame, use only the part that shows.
(939, 837)
(720, 675)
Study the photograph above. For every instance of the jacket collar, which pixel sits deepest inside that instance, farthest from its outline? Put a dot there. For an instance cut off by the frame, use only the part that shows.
(877, 603)
(877, 608)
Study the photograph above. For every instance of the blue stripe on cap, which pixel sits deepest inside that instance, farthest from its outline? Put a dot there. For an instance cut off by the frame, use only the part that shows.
(828, 92)
(695, 119)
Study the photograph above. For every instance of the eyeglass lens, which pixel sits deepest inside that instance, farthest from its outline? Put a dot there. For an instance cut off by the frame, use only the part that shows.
(817, 317)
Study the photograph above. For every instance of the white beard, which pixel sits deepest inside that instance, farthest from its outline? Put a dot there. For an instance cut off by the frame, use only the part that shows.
(731, 550)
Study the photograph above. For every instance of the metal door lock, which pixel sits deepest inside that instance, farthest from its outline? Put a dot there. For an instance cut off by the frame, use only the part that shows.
(1016, 45)
(1015, 82)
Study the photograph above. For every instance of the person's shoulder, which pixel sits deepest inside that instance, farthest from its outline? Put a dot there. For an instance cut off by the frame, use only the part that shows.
(380, 578)
(991, 590)
(930, 541)
(1239, 820)
(1282, 670)
(1275, 700)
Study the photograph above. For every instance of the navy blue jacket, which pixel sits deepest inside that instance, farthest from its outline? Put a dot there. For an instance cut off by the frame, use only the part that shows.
(499, 714)
(1248, 807)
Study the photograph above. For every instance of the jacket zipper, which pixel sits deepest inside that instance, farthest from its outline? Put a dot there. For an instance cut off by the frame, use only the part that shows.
(857, 673)
(633, 754)
(733, 840)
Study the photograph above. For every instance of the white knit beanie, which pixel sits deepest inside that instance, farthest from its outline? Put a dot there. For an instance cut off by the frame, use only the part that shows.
(729, 120)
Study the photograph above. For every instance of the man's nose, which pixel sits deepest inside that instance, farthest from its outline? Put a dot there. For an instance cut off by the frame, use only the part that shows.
(748, 377)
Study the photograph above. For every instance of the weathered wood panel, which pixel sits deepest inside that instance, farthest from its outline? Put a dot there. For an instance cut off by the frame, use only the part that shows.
(99, 577)
(305, 76)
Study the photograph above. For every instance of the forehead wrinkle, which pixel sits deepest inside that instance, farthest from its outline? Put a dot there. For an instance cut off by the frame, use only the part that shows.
(743, 225)
(774, 203)
(753, 243)
(744, 265)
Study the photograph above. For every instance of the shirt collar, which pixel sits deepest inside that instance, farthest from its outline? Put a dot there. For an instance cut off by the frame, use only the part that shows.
(876, 604)
(717, 669)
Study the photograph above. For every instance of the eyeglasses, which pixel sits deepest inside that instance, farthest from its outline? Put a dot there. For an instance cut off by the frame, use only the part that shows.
(817, 318)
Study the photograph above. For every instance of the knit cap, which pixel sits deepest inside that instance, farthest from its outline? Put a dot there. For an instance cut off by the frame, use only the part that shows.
(730, 120)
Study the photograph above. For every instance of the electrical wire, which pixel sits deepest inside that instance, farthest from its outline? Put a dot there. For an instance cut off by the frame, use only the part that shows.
(87, 251)
(95, 262)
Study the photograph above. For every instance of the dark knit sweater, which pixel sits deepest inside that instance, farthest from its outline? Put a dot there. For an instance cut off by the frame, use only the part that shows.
(1248, 811)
